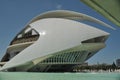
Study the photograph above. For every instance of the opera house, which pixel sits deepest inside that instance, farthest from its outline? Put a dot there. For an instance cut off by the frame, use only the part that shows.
(54, 41)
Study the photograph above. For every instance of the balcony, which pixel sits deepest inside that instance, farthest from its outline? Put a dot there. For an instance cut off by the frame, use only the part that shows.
(25, 39)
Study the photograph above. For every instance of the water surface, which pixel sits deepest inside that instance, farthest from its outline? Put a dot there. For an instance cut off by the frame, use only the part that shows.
(58, 76)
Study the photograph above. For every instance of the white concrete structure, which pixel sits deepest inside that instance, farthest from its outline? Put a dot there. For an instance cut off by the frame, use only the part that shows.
(54, 41)
(118, 62)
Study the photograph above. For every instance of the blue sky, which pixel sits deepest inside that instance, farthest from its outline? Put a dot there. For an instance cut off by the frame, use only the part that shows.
(14, 14)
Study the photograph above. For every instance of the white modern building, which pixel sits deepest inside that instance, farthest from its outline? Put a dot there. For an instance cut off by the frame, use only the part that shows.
(54, 41)
(118, 62)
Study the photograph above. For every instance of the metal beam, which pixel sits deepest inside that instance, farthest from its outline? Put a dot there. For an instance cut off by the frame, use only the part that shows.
(108, 8)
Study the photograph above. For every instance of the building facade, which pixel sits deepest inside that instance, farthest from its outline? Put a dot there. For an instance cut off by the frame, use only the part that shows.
(118, 62)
